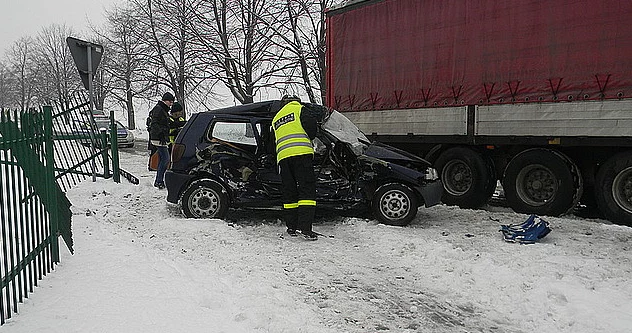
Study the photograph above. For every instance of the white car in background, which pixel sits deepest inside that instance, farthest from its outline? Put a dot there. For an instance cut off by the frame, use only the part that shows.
(125, 137)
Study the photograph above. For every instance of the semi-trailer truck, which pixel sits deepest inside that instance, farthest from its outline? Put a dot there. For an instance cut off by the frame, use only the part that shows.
(534, 94)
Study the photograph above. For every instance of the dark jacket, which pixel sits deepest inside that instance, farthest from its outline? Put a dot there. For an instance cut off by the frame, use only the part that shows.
(159, 125)
(309, 123)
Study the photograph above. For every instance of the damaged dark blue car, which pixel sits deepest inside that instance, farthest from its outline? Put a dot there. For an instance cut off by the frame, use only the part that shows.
(226, 159)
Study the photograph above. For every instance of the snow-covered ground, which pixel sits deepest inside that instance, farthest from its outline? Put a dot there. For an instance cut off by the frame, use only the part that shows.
(139, 266)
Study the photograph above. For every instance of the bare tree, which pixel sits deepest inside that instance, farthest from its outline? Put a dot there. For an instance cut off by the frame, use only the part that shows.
(235, 38)
(190, 46)
(5, 84)
(102, 81)
(172, 61)
(59, 76)
(23, 72)
(123, 64)
(301, 32)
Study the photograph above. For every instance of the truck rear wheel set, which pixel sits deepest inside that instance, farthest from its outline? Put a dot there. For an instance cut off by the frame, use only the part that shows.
(537, 181)
(613, 188)
(468, 177)
(542, 181)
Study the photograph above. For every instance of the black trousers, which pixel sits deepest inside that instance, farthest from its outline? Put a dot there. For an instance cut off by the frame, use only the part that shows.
(299, 191)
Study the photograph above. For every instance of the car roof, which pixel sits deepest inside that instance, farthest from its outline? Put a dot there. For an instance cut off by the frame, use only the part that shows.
(102, 120)
(259, 109)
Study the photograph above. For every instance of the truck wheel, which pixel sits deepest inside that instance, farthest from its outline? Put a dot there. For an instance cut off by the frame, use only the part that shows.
(468, 177)
(395, 204)
(204, 199)
(614, 189)
(542, 181)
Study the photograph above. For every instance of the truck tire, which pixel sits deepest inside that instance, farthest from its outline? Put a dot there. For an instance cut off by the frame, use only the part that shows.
(204, 199)
(395, 204)
(542, 181)
(468, 177)
(613, 189)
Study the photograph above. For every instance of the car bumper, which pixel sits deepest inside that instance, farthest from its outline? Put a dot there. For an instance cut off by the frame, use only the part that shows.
(175, 183)
(125, 142)
(432, 192)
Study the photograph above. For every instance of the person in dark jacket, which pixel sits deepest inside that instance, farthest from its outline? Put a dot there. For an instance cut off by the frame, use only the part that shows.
(159, 135)
(294, 131)
(176, 122)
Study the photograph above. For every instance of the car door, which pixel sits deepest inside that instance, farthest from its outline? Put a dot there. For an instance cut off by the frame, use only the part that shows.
(230, 152)
(336, 183)
(266, 177)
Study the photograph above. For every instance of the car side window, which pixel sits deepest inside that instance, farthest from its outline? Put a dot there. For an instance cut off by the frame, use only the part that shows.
(233, 132)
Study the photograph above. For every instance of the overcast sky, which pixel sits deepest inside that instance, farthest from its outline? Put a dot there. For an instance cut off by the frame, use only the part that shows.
(22, 18)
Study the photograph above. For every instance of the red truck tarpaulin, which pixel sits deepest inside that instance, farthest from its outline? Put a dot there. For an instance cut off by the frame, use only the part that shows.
(395, 54)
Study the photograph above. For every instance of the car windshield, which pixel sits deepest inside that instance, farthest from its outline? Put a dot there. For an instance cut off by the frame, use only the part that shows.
(346, 131)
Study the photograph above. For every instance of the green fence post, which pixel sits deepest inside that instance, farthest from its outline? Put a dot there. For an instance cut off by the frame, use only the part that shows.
(115, 152)
(50, 182)
(104, 153)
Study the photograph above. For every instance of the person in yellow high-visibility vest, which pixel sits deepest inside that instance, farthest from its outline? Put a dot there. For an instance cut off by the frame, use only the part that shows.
(294, 131)
(176, 122)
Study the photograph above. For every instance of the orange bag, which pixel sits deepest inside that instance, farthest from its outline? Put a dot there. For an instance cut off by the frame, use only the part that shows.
(153, 161)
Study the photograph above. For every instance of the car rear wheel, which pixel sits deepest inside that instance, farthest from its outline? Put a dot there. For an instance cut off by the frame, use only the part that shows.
(395, 204)
(205, 199)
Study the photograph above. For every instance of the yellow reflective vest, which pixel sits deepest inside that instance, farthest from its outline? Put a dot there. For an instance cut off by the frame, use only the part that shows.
(291, 138)
(173, 131)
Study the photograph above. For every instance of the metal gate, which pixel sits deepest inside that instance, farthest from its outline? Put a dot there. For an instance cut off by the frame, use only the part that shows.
(43, 153)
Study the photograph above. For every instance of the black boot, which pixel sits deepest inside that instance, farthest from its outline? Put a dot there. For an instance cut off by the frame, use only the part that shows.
(291, 221)
(305, 220)
(310, 235)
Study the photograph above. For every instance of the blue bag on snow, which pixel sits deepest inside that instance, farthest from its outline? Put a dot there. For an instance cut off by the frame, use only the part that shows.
(528, 232)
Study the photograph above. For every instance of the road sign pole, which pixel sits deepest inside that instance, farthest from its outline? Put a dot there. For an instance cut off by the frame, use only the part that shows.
(90, 77)
(87, 64)
(91, 94)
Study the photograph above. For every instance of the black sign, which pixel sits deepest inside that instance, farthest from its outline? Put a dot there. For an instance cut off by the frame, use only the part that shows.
(79, 50)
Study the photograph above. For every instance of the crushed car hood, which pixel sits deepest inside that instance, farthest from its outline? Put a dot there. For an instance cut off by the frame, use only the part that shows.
(340, 127)
(394, 155)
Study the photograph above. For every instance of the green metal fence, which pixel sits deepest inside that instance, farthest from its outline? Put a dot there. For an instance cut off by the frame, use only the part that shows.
(43, 153)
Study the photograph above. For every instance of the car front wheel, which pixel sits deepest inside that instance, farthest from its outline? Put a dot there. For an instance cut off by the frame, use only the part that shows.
(395, 204)
(205, 199)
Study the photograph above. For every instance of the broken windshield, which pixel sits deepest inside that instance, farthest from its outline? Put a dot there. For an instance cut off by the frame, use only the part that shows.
(346, 131)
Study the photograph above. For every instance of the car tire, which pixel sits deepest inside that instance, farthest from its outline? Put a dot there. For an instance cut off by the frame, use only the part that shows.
(613, 189)
(204, 199)
(395, 204)
(468, 177)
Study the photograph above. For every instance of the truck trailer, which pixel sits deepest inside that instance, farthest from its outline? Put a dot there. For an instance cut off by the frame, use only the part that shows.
(534, 94)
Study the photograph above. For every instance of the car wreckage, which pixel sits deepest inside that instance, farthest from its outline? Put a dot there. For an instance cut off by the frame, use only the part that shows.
(226, 158)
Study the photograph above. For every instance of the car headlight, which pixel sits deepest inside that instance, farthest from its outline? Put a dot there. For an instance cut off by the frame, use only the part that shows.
(431, 174)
